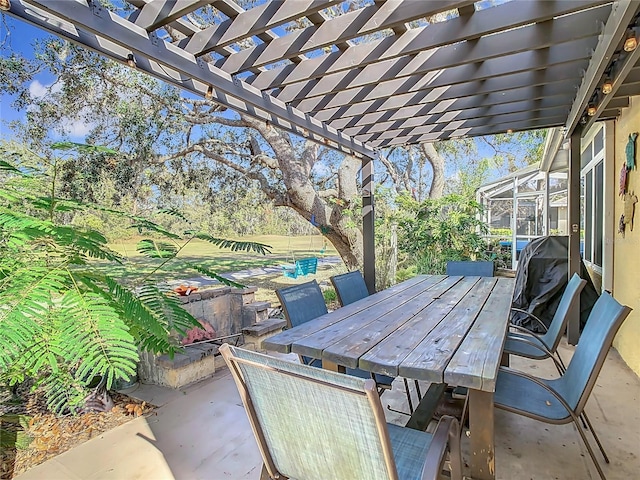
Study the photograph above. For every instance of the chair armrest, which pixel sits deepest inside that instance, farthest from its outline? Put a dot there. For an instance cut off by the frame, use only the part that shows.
(446, 436)
(561, 368)
(522, 329)
(540, 383)
(531, 315)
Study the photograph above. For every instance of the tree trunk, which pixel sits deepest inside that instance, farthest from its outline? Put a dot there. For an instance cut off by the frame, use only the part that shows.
(302, 196)
(437, 164)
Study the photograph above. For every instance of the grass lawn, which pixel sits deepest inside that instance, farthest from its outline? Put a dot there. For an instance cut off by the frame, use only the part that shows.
(283, 250)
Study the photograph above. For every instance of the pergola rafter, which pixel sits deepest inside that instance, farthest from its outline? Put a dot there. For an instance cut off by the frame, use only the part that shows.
(451, 54)
(397, 78)
(386, 73)
(500, 85)
(250, 23)
(356, 115)
(345, 27)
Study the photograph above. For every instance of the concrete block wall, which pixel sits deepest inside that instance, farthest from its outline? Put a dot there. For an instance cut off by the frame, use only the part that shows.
(228, 311)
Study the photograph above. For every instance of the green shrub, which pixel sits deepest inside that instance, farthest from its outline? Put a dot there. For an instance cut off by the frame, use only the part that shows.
(435, 231)
(330, 295)
(63, 322)
(502, 232)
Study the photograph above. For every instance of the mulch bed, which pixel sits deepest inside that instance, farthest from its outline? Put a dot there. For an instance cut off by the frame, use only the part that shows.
(46, 435)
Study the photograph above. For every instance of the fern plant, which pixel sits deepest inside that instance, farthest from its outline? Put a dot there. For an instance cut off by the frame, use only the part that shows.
(64, 322)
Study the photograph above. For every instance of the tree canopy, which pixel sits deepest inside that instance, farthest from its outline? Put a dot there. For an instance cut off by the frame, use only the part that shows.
(175, 147)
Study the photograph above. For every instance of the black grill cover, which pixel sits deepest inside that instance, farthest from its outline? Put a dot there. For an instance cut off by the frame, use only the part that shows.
(542, 275)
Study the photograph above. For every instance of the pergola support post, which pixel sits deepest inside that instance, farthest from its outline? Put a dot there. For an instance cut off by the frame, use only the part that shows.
(368, 218)
(573, 325)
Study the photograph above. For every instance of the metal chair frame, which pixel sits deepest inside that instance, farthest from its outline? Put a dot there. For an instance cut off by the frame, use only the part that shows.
(608, 315)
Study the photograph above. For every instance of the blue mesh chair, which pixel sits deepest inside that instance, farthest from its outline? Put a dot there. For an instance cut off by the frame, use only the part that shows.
(562, 400)
(471, 268)
(314, 424)
(527, 344)
(350, 287)
(304, 302)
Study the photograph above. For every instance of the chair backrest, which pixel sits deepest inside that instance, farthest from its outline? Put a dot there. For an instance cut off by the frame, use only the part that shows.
(603, 323)
(476, 269)
(570, 297)
(301, 303)
(350, 287)
(311, 423)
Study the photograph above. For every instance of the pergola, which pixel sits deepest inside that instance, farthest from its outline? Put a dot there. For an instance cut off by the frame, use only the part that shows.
(382, 73)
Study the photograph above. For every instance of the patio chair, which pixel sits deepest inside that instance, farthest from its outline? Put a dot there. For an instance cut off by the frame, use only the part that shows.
(471, 268)
(314, 424)
(350, 287)
(562, 400)
(525, 343)
(304, 302)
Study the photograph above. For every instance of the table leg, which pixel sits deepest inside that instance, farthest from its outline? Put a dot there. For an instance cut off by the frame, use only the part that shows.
(504, 360)
(334, 367)
(481, 435)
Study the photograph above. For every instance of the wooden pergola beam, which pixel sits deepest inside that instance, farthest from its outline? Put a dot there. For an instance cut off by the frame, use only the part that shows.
(455, 30)
(105, 32)
(398, 76)
(340, 29)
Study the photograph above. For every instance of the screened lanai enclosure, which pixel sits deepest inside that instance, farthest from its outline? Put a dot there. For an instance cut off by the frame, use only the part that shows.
(522, 206)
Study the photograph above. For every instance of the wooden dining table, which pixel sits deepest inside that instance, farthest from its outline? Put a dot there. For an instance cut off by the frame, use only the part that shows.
(434, 328)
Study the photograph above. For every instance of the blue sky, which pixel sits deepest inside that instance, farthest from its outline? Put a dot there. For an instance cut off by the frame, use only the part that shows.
(19, 37)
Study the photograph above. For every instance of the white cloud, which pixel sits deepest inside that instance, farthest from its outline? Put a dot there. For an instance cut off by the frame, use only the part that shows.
(38, 90)
(78, 128)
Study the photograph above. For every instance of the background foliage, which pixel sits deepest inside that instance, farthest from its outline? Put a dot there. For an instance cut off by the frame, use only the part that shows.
(435, 231)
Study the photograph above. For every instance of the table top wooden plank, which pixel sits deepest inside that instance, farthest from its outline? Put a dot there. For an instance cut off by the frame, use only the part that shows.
(394, 309)
(282, 342)
(387, 355)
(430, 358)
(475, 363)
(348, 349)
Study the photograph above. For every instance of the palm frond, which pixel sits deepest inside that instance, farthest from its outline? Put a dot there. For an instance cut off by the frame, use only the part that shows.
(7, 167)
(144, 225)
(156, 249)
(95, 338)
(82, 147)
(22, 230)
(174, 212)
(233, 245)
(152, 315)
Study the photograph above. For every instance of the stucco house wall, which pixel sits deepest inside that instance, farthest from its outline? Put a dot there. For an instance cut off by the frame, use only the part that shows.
(626, 250)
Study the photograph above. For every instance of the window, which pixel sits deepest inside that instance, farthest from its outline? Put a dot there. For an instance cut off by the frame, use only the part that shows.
(592, 180)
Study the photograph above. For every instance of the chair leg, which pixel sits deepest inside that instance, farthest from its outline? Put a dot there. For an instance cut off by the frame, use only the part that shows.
(418, 390)
(589, 449)
(406, 387)
(264, 474)
(564, 368)
(455, 453)
(593, 432)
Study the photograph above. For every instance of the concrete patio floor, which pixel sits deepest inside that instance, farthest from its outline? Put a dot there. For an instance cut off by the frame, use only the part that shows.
(202, 433)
